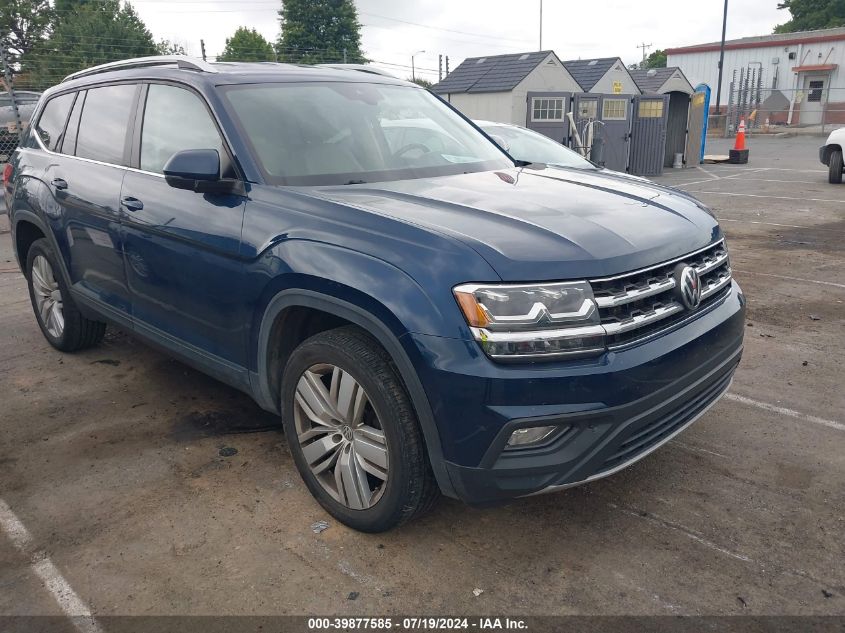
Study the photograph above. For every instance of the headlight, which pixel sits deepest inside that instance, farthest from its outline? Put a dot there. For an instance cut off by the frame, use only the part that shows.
(523, 322)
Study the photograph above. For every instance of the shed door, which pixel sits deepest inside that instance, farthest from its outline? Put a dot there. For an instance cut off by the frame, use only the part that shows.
(615, 114)
(648, 135)
(585, 110)
(692, 153)
(547, 114)
(676, 126)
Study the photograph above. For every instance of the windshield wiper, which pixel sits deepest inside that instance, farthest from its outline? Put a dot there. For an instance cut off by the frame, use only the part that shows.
(355, 182)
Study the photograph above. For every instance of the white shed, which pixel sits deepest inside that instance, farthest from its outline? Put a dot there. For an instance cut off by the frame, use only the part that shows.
(495, 88)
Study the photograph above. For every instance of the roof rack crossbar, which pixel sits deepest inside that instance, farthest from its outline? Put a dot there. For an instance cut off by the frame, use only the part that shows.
(181, 61)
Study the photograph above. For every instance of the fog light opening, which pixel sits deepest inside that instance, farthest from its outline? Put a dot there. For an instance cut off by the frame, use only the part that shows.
(527, 436)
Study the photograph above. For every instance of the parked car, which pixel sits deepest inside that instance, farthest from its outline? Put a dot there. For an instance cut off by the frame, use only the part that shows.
(830, 154)
(426, 315)
(26, 101)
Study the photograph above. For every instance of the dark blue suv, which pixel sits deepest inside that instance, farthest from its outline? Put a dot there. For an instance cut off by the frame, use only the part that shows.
(426, 313)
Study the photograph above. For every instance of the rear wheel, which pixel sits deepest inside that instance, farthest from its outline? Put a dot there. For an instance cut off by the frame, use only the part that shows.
(58, 317)
(836, 167)
(353, 432)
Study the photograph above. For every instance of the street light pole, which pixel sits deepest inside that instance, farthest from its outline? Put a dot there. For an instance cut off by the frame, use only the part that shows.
(541, 24)
(413, 71)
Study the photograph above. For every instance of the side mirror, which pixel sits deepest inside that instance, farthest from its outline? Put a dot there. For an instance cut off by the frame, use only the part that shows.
(198, 170)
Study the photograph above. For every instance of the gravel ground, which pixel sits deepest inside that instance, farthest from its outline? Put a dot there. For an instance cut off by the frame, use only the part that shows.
(111, 459)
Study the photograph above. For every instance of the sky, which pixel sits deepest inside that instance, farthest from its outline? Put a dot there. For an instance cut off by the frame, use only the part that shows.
(395, 30)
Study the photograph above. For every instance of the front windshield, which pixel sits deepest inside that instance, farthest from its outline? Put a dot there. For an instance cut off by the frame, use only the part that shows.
(533, 147)
(336, 133)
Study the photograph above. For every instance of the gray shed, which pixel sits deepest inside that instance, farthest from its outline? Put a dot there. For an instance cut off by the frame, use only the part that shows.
(495, 88)
(669, 81)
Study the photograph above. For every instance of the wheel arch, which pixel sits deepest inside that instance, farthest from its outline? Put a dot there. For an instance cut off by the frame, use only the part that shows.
(340, 312)
(828, 150)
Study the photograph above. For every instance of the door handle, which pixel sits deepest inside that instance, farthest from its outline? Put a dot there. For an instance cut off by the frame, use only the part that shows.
(131, 204)
(59, 183)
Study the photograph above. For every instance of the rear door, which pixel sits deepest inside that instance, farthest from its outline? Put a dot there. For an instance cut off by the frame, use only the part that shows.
(85, 177)
(648, 135)
(182, 247)
(547, 114)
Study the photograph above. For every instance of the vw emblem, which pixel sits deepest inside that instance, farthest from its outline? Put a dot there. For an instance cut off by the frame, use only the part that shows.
(687, 286)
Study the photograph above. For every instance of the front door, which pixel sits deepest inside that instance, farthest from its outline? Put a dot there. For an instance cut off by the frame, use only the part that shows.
(182, 247)
(815, 94)
(547, 114)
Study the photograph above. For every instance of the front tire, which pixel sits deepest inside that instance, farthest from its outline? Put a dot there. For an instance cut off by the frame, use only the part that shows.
(60, 321)
(353, 432)
(836, 167)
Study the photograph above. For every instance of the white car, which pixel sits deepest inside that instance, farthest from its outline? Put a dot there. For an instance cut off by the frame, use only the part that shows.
(830, 154)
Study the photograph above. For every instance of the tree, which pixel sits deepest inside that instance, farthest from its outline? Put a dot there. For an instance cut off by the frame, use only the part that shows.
(808, 15)
(166, 47)
(23, 23)
(91, 33)
(656, 59)
(247, 45)
(316, 31)
(425, 83)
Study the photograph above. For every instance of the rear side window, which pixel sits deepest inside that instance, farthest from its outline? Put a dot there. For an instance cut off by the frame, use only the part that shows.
(69, 142)
(51, 123)
(175, 119)
(105, 118)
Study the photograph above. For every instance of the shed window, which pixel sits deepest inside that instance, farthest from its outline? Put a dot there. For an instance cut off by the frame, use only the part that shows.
(546, 109)
(651, 109)
(614, 109)
(587, 108)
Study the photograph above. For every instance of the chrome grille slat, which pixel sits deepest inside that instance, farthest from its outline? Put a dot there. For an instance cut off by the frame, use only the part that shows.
(637, 305)
(638, 293)
(641, 320)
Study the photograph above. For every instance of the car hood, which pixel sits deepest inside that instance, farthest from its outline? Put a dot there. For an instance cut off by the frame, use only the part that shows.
(545, 223)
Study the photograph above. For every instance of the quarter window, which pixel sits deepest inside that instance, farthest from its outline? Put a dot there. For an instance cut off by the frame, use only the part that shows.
(105, 118)
(614, 109)
(51, 123)
(175, 119)
(546, 109)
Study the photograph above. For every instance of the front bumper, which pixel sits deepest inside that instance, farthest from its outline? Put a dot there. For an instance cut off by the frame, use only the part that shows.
(613, 410)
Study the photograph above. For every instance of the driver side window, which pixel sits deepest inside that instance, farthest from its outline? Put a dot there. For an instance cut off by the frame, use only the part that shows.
(175, 119)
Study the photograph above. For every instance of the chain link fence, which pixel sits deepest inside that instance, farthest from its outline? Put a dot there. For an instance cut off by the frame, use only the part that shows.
(816, 108)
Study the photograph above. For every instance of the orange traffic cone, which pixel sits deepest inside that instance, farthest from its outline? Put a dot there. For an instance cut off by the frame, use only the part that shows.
(739, 154)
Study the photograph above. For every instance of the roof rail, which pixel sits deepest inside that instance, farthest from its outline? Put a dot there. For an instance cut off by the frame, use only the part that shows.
(363, 68)
(181, 61)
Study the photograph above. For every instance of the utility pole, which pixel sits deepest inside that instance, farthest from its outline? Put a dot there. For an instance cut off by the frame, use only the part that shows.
(447, 65)
(541, 25)
(413, 72)
(644, 46)
(202, 48)
(344, 55)
(722, 60)
(440, 67)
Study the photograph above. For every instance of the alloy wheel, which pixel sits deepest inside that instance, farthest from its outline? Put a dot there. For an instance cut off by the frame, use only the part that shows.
(340, 436)
(48, 297)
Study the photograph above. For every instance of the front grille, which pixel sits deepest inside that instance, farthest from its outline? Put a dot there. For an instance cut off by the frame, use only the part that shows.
(638, 304)
(641, 438)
